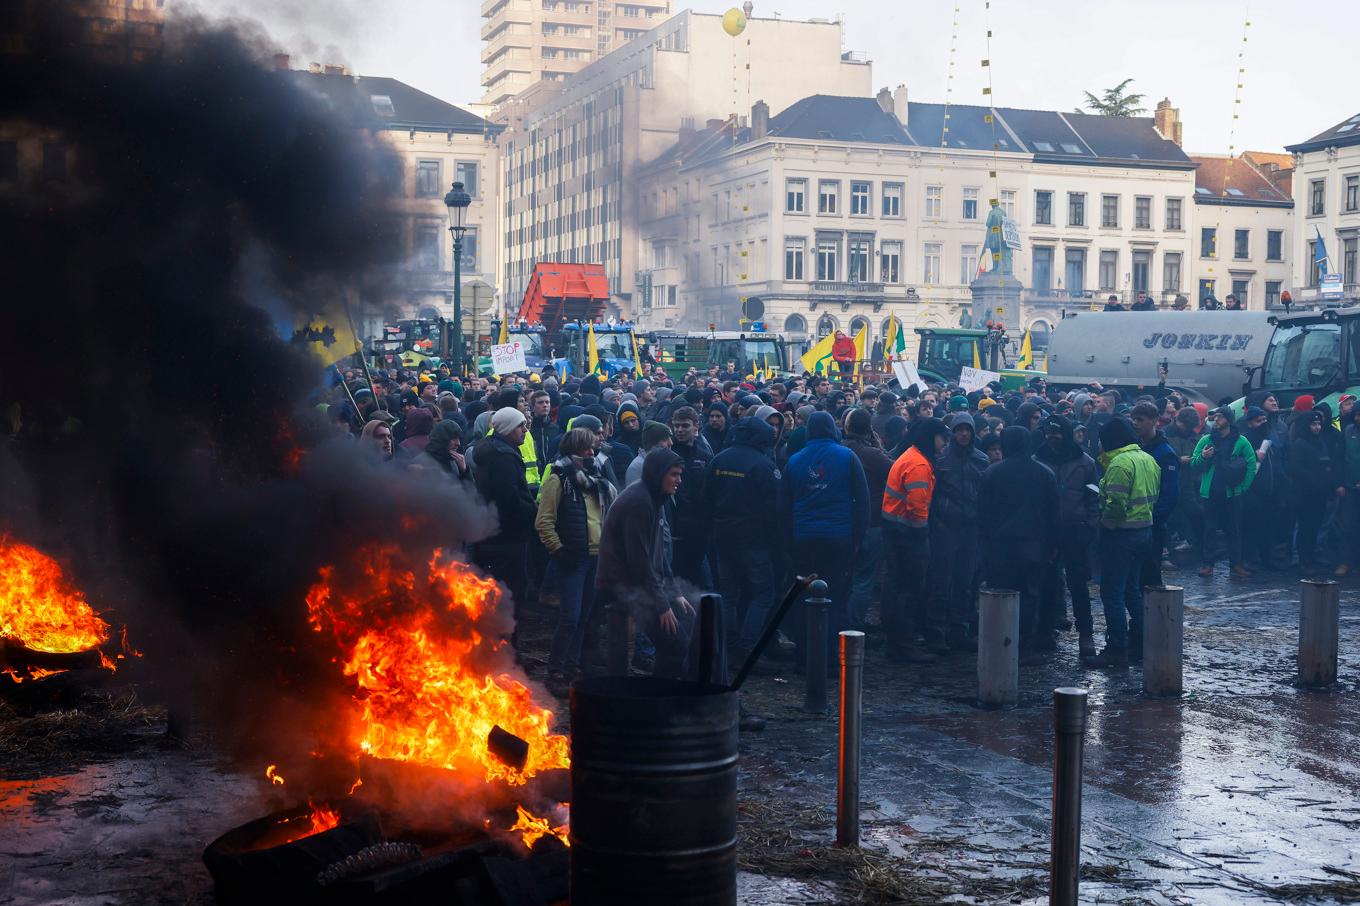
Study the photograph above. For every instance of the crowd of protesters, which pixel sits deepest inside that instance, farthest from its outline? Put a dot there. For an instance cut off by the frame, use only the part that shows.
(646, 492)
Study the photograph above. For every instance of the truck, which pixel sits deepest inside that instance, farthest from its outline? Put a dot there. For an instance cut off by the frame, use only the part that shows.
(411, 343)
(1312, 353)
(1203, 354)
(532, 336)
(614, 345)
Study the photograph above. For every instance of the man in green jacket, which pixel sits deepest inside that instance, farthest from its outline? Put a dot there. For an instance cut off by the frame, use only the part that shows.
(1127, 493)
(1227, 463)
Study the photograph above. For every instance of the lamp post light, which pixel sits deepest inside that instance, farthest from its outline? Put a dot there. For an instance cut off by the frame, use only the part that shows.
(457, 202)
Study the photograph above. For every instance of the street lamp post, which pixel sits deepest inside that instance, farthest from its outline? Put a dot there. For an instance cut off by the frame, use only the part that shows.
(457, 202)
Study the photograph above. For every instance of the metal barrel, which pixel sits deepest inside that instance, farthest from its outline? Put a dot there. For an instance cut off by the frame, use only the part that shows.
(654, 792)
(1319, 626)
(1069, 731)
(852, 697)
(998, 662)
(814, 648)
(1163, 639)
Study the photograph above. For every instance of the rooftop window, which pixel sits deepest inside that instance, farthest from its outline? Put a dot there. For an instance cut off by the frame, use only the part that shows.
(1347, 128)
(1043, 146)
(1071, 148)
(382, 105)
(1235, 192)
(1200, 190)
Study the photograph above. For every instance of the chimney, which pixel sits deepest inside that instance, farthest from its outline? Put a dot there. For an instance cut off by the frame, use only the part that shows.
(760, 120)
(899, 104)
(335, 69)
(714, 124)
(281, 62)
(885, 100)
(1167, 120)
(314, 67)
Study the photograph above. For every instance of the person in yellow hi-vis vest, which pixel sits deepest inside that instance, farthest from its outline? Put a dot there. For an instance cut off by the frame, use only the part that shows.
(511, 398)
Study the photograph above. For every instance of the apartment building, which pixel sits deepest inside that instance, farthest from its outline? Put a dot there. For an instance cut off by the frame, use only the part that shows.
(524, 41)
(1327, 191)
(1244, 222)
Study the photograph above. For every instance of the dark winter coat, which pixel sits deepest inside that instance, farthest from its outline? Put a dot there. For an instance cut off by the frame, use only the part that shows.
(877, 465)
(1315, 463)
(690, 520)
(1018, 510)
(1160, 449)
(634, 559)
(958, 480)
(741, 487)
(1073, 470)
(500, 480)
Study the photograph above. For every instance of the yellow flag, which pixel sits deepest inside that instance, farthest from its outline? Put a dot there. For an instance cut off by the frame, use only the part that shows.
(861, 339)
(327, 335)
(505, 332)
(637, 359)
(815, 359)
(593, 354)
(1026, 359)
(977, 361)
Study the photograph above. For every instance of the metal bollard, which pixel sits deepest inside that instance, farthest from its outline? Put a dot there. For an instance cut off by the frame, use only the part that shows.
(1319, 618)
(617, 639)
(1163, 639)
(1069, 731)
(852, 700)
(998, 648)
(709, 606)
(814, 648)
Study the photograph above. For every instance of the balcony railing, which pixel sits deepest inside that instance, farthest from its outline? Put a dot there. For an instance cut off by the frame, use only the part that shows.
(828, 286)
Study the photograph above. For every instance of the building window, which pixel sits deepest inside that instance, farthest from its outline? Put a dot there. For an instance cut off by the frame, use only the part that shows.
(1348, 262)
(968, 264)
(1241, 244)
(1142, 212)
(828, 251)
(470, 251)
(934, 202)
(1043, 208)
(828, 196)
(934, 251)
(466, 172)
(1171, 272)
(795, 324)
(1274, 245)
(1008, 203)
(1076, 209)
(1314, 273)
(1317, 194)
(794, 250)
(970, 204)
(1076, 270)
(1173, 214)
(859, 199)
(428, 181)
(892, 199)
(1353, 193)
(1042, 269)
(1206, 289)
(1240, 291)
(795, 196)
(890, 263)
(1109, 270)
(54, 161)
(428, 238)
(826, 326)
(1208, 242)
(1272, 293)
(1109, 211)
(858, 254)
(1142, 271)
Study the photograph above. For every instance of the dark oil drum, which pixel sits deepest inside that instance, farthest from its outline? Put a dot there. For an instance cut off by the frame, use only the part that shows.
(653, 793)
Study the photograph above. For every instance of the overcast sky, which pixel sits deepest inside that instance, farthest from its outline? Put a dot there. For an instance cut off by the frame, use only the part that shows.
(1299, 57)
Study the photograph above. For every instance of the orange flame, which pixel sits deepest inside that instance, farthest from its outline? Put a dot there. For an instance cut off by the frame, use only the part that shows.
(533, 828)
(40, 608)
(321, 818)
(428, 685)
(273, 774)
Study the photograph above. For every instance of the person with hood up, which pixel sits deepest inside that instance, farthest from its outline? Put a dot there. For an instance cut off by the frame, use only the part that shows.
(860, 440)
(418, 423)
(1316, 476)
(1018, 526)
(634, 568)
(1145, 417)
(1226, 464)
(1128, 491)
(630, 428)
(906, 606)
(1031, 417)
(500, 479)
(953, 532)
(622, 452)
(443, 453)
(654, 435)
(740, 494)
(571, 509)
(1078, 521)
(1262, 510)
(826, 507)
(715, 426)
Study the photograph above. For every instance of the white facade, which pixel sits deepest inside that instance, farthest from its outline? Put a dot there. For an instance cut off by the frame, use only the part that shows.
(1327, 199)
(1243, 233)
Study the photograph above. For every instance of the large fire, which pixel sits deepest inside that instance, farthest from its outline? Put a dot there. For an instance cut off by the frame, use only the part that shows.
(40, 608)
(429, 680)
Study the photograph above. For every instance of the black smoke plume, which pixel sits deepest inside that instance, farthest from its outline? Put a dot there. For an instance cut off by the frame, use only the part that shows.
(150, 407)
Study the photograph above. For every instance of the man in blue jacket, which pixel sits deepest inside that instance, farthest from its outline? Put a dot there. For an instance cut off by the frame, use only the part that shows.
(826, 508)
(1154, 443)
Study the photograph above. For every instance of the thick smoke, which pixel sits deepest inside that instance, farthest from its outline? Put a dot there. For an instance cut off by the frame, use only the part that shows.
(152, 409)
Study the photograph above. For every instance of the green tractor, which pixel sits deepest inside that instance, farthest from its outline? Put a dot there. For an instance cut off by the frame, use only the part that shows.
(945, 352)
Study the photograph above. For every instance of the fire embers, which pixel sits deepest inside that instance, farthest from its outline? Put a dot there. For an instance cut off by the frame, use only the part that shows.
(424, 646)
(46, 625)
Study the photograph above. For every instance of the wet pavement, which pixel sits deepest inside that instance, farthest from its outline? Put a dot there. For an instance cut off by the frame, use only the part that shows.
(1244, 790)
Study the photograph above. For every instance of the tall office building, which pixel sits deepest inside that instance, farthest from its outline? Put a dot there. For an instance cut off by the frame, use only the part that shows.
(529, 40)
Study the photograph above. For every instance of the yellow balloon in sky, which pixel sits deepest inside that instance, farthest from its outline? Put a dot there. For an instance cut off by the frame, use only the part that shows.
(734, 22)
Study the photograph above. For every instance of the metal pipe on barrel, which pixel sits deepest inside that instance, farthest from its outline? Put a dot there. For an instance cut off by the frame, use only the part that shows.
(1163, 639)
(1319, 626)
(814, 648)
(852, 700)
(998, 662)
(617, 638)
(1069, 732)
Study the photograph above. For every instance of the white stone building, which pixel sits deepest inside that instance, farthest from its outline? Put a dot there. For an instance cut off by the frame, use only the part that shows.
(843, 210)
(1327, 193)
(1244, 224)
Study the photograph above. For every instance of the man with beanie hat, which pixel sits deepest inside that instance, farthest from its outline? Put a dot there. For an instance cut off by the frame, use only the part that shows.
(1128, 492)
(654, 435)
(953, 535)
(499, 474)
